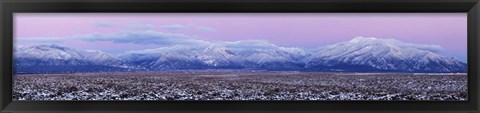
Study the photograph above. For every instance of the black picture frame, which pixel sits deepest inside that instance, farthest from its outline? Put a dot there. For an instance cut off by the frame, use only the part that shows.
(8, 7)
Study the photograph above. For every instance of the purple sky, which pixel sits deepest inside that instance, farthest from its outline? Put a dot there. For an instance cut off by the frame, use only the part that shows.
(448, 30)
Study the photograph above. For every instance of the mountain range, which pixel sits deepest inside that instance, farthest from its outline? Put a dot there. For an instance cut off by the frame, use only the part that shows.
(360, 54)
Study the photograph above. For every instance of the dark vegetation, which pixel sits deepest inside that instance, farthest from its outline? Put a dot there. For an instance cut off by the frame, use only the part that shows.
(239, 86)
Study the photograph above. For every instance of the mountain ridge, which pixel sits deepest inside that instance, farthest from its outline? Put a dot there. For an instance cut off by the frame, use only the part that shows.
(361, 54)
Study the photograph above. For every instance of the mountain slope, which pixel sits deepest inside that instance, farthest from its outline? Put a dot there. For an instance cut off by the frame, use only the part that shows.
(53, 58)
(357, 55)
(371, 54)
(217, 56)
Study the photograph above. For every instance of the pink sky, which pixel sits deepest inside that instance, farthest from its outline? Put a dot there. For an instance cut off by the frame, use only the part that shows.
(448, 30)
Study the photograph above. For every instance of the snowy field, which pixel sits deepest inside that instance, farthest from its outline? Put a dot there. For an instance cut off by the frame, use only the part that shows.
(240, 86)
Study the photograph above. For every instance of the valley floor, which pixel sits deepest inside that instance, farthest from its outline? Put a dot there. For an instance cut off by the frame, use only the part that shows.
(239, 86)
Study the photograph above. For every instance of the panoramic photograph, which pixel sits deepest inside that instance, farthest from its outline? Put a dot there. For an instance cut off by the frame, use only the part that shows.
(240, 57)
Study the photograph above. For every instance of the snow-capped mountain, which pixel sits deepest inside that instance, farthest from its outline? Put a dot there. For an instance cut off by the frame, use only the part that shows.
(359, 55)
(264, 55)
(180, 57)
(100, 57)
(45, 58)
(234, 55)
(372, 54)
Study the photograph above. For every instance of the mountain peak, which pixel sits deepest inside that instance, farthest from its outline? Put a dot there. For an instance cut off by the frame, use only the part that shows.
(364, 38)
(95, 51)
(361, 38)
(384, 54)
